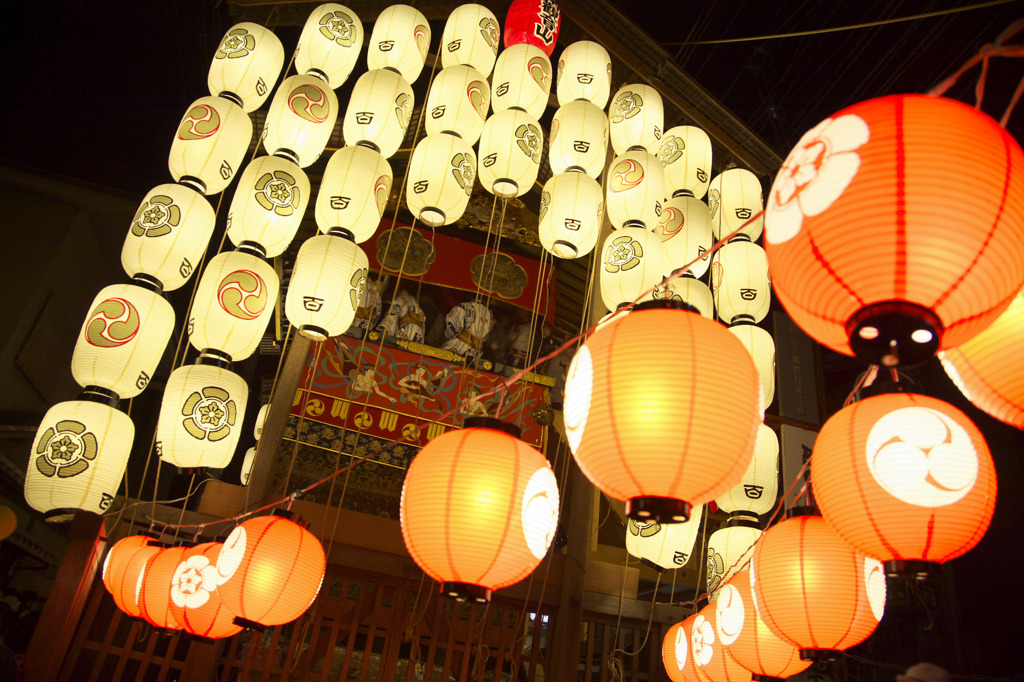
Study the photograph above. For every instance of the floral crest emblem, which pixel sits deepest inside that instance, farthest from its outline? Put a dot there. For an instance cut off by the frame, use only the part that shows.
(545, 203)
(624, 253)
(237, 43)
(193, 581)
(703, 641)
(671, 149)
(209, 414)
(644, 529)
(338, 26)
(278, 192)
(66, 449)
(529, 139)
(716, 569)
(464, 171)
(489, 30)
(626, 105)
(358, 286)
(156, 217)
(402, 107)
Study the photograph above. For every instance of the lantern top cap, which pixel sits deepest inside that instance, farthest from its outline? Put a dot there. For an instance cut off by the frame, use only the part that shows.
(98, 394)
(665, 304)
(803, 510)
(494, 424)
(289, 515)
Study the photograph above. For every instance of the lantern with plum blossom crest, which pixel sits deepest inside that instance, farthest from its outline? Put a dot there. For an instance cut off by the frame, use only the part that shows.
(636, 117)
(196, 604)
(686, 153)
(268, 204)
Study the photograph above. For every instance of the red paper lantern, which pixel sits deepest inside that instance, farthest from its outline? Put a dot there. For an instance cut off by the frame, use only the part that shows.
(479, 509)
(117, 559)
(195, 600)
(904, 478)
(709, 655)
(814, 590)
(745, 636)
(675, 652)
(125, 582)
(155, 596)
(643, 410)
(271, 569)
(987, 369)
(535, 22)
(869, 253)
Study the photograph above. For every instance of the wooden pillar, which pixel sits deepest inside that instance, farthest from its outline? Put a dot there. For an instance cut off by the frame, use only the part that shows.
(63, 608)
(201, 660)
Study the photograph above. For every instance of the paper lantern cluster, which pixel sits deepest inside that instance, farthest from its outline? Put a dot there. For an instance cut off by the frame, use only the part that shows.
(267, 572)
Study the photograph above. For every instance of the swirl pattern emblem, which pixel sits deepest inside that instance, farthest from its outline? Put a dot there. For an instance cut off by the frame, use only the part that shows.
(200, 122)
(242, 294)
(112, 323)
(309, 103)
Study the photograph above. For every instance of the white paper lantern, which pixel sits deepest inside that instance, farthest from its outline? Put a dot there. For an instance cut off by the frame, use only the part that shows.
(330, 43)
(734, 197)
(636, 118)
(685, 232)
(686, 153)
(635, 187)
(326, 286)
(522, 78)
(686, 290)
(122, 339)
(378, 111)
(233, 304)
(300, 119)
(168, 235)
(578, 139)
(246, 65)
(261, 418)
(511, 145)
(571, 210)
(210, 144)
(457, 102)
(584, 72)
(631, 264)
(78, 459)
(440, 179)
(471, 37)
(354, 192)
(758, 490)
(268, 204)
(739, 280)
(400, 40)
(761, 346)
(201, 416)
(666, 546)
(247, 462)
(729, 552)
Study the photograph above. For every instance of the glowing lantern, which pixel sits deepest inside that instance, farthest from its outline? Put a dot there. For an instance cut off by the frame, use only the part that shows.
(739, 279)
(201, 416)
(758, 490)
(578, 139)
(268, 204)
(326, 286)
(168, 235)
(353, 176)
(745, 636)
(270, 569)
(734, 197)
(399, 41)
(510, 149)
(471, 37)
(457, 102)
(247, 462)
(330, 43)
(569, 221)
(155, 595)
(261, 418)
(635, 187)
(8, 522)
(78, 457)
(761, 346)
(534, 22)
(892, 276)
(122, 339)
(483, 472)
(195, 603)
(210, 144)
(675, 652)
(814, 590)
(904, 478)
(688, 290)
(986, 368)
(713, 664)
(246, 65)
(584, 72)
(664, 546)
(125, 580)
(440, 179)
(729, 551)
(379, 111)
(635, 394)
(300, 119)
(685, 231)
(522, 78)
(233, 304)
(115, 563)
(686, 153)
(631, 264)
(636, 117)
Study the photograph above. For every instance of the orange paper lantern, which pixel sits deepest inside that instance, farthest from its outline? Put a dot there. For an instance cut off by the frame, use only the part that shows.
(675, 652)
(745, 636)
(868, 253)
(643, 410)
(904, 478)
(115, 564)
(270, 569)
(987, 369)
(125, 582)
(814, 590)
(195, 600)
(155, 596)
(709, 655)
(479, 509)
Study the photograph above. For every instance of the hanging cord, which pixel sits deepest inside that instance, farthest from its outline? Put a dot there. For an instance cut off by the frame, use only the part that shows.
(614, 662)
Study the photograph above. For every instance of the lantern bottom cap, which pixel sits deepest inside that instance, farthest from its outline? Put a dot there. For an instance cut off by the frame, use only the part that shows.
(505, 188)
(246, 623)
(660, 509)
(466, 592)
(894, 333)
(431, 216)
(314, 333)
(563, 249)
(765, 678)
(60, 515)
(916, 570)
(820, 654)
